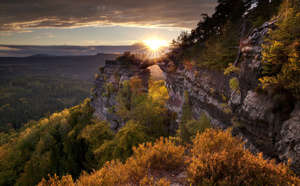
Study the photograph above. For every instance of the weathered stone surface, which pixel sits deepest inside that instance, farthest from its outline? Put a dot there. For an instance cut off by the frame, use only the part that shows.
(289, 144)
(269, 122)
(113, 73)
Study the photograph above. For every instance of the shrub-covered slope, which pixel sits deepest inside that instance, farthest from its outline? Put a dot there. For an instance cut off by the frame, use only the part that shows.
(215, 158)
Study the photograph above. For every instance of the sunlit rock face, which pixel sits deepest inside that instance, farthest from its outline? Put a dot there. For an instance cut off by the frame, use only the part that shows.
(269, 122)
(113, 73)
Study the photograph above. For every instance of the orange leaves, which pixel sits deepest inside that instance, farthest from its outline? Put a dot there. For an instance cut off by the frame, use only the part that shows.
(66, 181)
(163, 154)
(219, 158)
(136, 86)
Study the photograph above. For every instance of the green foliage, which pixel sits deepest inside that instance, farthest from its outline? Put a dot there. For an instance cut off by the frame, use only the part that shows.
(186, 116)
(281, 54)
(61, 143)
(162, 155)
(234, 85)
(109, 88)
(146, 118)
(215, 158)
(120, 147)
(224, 98)
(129, 136)
(123, 100)
(263, 12)
(146, 109)
(214, 42)
(31, 97)
(95, 134)
(198, 126)
(231, 69)
(126, 88)
(226, 108)
(158, 92)
(219, 53)
(153, 115)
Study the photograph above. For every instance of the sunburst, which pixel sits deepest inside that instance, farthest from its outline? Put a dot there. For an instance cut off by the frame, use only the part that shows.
(155, 44)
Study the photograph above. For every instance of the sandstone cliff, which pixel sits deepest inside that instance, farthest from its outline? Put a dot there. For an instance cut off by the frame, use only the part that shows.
(269, 121)
(106, 87)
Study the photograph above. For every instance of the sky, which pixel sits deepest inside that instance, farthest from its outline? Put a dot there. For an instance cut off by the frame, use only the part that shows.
(95, 22)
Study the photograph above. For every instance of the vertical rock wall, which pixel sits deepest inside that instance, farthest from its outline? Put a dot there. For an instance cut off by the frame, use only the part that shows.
(268, 121)
(113, 73)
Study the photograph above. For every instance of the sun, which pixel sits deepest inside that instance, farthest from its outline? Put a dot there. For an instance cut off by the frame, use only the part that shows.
(155, 44)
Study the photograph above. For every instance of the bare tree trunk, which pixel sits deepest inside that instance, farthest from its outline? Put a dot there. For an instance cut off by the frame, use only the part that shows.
(241, 41)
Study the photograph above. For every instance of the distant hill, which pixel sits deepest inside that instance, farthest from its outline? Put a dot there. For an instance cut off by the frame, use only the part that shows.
(82, 67)
(41, 55)
(67, 50)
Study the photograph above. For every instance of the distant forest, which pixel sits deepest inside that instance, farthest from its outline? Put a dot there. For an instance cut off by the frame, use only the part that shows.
(34, 87)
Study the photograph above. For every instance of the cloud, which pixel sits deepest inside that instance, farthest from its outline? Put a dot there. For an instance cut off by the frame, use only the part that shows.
(29, 14)
(5, 33)
(50, 35)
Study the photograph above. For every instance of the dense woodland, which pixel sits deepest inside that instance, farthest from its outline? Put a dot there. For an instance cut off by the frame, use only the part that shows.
(32, 97)
(33, 87)
(72, 147)
(71, 141)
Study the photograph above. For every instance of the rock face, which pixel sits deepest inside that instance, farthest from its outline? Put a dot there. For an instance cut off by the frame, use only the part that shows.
(106, 87)
(269, 122)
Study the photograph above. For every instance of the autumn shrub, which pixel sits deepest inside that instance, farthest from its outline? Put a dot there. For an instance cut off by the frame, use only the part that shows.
(150, 181)
(220, 159)
(55, 180)
(112, 173)
(163, 154)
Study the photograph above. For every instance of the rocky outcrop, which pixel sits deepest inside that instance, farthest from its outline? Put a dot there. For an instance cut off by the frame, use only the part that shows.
(106, 87)
(268, 121)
